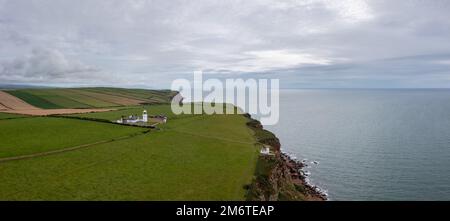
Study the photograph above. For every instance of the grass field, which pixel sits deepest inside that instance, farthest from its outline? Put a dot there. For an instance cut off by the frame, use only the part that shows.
(9, 116)
(38, 134)
(151, 96)
(193, 157)
(90, 101)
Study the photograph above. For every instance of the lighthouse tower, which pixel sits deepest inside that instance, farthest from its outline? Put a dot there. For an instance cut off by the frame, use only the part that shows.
(144, 116)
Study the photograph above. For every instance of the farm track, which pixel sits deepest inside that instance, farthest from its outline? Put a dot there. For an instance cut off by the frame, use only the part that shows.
(47, 153)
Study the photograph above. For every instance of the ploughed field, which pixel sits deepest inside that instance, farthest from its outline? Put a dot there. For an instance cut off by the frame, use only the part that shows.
(53, 101)
(10, 102)
(191, 157)
(89, 97)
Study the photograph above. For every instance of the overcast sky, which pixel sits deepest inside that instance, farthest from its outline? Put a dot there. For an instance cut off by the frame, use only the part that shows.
(304, 43)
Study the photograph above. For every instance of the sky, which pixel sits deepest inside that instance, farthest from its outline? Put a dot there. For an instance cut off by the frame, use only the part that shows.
(304, 43)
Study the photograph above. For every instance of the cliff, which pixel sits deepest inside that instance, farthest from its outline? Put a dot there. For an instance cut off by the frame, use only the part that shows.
(277, 176)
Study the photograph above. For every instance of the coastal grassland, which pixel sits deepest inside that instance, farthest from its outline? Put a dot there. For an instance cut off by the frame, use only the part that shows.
(214, 126)
(38, 134)
(192, 158)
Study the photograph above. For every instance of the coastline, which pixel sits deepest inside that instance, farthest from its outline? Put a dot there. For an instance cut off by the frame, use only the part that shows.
(278, 177)
(300, 178)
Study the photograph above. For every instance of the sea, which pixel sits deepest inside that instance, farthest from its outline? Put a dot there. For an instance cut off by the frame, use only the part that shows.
(370, 144)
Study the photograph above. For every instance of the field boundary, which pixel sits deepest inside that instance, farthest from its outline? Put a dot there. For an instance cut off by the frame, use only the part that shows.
(153, 126)
(46, 153)
(12, 118)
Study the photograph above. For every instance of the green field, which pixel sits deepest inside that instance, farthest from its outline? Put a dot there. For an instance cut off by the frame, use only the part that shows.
(53, 98)
(193, 157)
(38, 134)
(4, 116)
(33, 99)
(151, 96)
(90, 101)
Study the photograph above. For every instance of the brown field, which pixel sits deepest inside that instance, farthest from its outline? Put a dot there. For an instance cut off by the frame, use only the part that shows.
(10, 102)
(45, 112)
(3, 107)
(13, 105)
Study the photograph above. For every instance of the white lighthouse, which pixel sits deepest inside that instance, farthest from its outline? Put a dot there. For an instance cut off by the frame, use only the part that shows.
(144, 116)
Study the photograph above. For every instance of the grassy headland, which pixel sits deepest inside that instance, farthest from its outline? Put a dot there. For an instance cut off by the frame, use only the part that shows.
(191, 157)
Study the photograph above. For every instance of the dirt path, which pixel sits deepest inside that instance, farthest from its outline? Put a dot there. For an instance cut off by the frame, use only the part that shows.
(46, 153)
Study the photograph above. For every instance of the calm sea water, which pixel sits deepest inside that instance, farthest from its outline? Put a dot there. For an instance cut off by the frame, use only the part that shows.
(370, 144)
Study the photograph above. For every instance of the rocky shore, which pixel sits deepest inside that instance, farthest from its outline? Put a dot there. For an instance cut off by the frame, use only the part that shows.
(278, 177)
(300, 178)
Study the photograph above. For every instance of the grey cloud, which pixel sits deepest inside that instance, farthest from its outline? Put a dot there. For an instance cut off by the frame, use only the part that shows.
(157, 41)
(421, 71)
(45, 65)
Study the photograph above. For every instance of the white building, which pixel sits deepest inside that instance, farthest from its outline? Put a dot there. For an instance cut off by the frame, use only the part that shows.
(145, 116)
(134, 119)
(265, 151)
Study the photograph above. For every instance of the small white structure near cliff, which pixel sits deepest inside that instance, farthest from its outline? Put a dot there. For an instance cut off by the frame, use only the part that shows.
(159, 118)
(266, 151)
(134, 119)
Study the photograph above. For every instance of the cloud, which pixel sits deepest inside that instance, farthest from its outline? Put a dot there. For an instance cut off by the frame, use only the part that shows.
(112, 42)
(424, 71)
(268, 60)
(45, 65)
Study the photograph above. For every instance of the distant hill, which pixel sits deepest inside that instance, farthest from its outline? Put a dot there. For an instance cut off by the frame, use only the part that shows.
(19, 86)
(93, 97)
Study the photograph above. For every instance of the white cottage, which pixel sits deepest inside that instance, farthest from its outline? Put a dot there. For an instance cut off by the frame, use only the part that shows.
(265, 151)
(134, 118)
